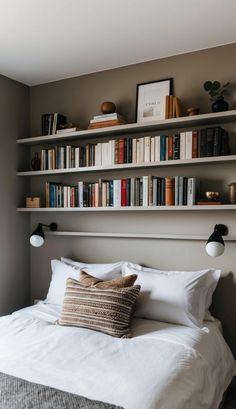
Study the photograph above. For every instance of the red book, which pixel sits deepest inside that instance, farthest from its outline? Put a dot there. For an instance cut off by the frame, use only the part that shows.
(195, 143)
(170, 147)
(121, 157)
(116, 151)
(123, 192)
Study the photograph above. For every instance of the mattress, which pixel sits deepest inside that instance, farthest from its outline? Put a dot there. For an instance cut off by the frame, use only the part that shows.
(163, 366)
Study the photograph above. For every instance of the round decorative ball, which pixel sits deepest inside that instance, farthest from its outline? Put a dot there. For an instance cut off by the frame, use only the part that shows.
(108, 107)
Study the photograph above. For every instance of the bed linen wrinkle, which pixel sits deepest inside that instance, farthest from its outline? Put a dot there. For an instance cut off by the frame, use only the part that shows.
(163, 366)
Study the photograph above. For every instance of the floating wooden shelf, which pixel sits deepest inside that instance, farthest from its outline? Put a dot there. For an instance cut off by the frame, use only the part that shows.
(130, 209)
(175, 123)
(169, 163)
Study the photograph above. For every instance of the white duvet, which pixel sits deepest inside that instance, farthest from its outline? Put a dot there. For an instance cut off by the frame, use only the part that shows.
(163, 366)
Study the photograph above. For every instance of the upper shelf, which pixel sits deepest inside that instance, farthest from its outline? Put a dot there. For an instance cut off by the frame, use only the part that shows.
(175, 123)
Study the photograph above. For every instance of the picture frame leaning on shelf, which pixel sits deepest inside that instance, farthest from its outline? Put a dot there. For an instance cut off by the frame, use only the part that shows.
(151, 100)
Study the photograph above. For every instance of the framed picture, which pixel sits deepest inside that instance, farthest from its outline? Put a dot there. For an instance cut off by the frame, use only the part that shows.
(151, 100)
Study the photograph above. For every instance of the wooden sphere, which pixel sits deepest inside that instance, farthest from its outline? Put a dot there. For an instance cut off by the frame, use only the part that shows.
(108, 107)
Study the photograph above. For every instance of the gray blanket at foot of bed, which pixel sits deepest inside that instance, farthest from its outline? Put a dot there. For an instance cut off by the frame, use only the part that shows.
(16, 393)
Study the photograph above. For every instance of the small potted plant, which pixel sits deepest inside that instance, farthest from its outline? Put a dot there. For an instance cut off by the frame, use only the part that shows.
(216, 92)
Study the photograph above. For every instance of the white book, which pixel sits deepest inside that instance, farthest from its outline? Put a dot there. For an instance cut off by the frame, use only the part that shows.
(62, 156)
(145, 191)
(181, 191)
(117, 192)
(152, 149)
(182, 145)
(104, 153)
(132, 192)
(99, 155)
(64, 196)
(188, 147)
(177, 190)
(157, 148)
(77, 155)
(105, 117)
(134, 150)
(54, 124)
(81, 193)
(68, 197)
(141, 150)
(154, 191)
(96, 194)
(147, 149)
(191, 198)
(112, 152)
(104, 194)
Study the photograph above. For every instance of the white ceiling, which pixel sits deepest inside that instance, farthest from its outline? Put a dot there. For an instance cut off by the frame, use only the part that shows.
(47, 40)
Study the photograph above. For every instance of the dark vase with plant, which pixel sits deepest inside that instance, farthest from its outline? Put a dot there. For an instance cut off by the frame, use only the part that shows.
(216, 92)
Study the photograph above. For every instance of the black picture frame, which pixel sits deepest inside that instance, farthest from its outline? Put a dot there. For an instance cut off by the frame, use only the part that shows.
(170, 83)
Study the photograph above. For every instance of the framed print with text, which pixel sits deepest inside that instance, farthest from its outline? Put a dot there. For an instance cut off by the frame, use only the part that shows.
(151, 100)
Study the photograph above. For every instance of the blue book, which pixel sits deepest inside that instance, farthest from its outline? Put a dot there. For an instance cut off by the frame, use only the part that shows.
(51, 195)
(162, 147)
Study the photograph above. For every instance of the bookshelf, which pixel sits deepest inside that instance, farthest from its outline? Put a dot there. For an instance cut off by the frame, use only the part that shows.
(166, 124)
(171, 125)
(129, 208)
(167, 163)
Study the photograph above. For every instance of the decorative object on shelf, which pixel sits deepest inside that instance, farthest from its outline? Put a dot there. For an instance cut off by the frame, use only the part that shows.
(68, 127)
(36, 162)
(212, 195)
(151, 100)
(37, 237)
(108, 108)
(216, 92)
(215, 245)
(109, 117)
(232, 193)
(52, 122)
(32, 202)
(193, 111)
(212, 198)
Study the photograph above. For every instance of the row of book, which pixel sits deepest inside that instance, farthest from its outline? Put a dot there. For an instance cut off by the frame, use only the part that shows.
(144, 191)
(52, 122)
(186, 145)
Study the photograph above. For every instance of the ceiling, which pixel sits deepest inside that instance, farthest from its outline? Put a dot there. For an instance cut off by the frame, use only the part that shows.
(48, 40)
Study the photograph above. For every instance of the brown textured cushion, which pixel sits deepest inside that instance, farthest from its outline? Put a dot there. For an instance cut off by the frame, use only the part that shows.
(120, 282)
(106, 310)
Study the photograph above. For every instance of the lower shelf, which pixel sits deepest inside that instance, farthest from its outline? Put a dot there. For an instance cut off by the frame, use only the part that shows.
(130, 209)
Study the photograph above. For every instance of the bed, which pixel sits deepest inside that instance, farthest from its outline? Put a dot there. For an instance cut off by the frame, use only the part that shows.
(163, 366)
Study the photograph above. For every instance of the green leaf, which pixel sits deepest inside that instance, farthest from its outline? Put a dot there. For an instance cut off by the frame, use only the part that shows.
(207, 85)
(216, 86)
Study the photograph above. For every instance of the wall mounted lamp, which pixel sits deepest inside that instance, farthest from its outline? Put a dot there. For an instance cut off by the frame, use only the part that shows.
(215, 245)
(37, 237)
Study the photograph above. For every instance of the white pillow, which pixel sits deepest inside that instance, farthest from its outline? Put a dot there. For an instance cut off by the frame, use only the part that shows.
(102, 271)
(57, 287)
(178, 297)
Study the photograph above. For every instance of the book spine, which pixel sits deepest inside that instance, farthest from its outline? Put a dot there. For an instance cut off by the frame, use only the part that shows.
(162, 147)
(191, 200)
(145, 191)
(132, 192)
(134, 153)
(128, 192)
(170, 191)
(121, 156)
(163, 192)
(154, 191)
(182, 145)
(152, 149)
(203, 143)
(209, 141)
(167, 103)
(123, 192)
(157, 148)
(117, 193)
(147, 149)
(170, 147)
(188, 138)
(181, 190)
(217, 141)
(176, 190)
(194, 143)
(150, 189)
(171, 106)
(185, 191)
(176, 147)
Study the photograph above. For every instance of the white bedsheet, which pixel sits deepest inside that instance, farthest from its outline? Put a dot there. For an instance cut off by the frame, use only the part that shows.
(162, 367)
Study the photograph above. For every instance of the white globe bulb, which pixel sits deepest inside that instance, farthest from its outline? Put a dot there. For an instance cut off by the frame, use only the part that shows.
(215, 249)
(36, 241)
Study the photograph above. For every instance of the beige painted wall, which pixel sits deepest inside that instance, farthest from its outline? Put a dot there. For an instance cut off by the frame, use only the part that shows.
(14, 253)
(79, 98)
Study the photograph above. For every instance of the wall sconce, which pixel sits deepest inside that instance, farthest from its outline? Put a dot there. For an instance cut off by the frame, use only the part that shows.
(215, 245)
(37, 237)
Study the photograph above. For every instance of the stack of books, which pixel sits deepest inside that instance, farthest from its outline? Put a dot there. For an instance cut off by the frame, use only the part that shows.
(52, 122)
(68, 130)
(104, 120)
(186, 145)
(144, 191)
(172, 107)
